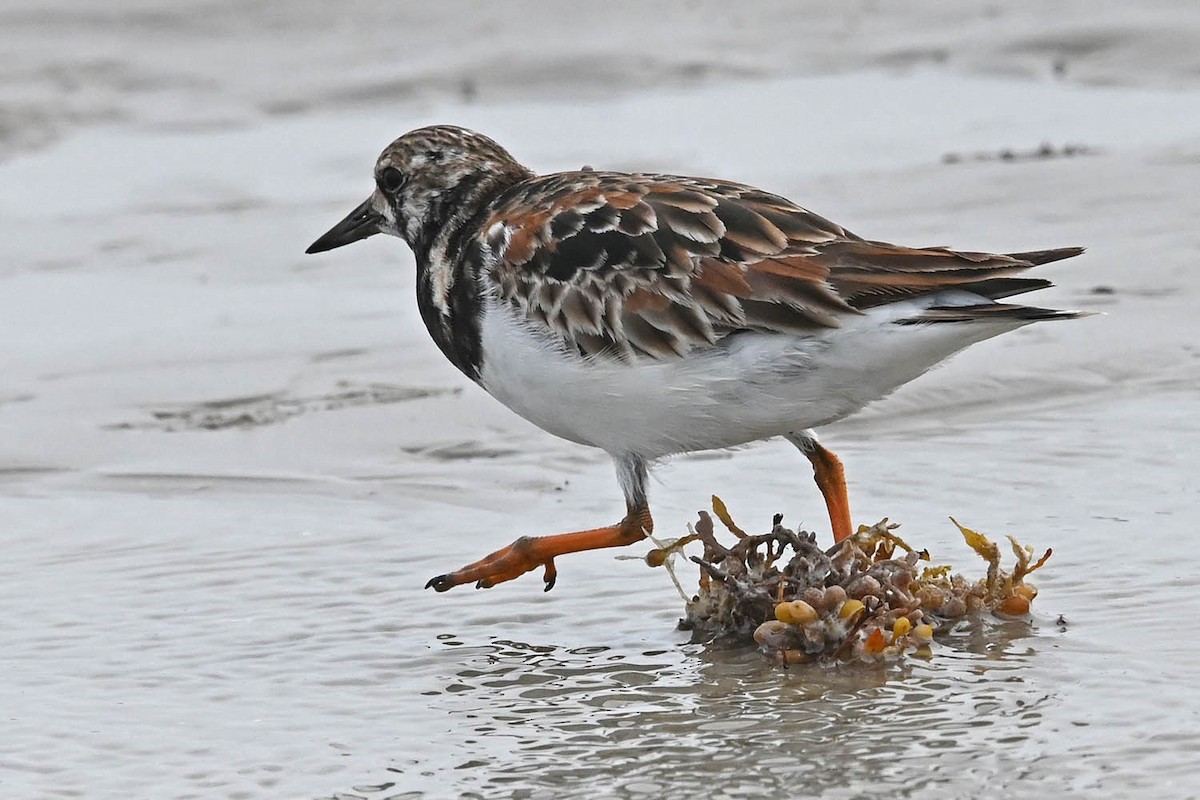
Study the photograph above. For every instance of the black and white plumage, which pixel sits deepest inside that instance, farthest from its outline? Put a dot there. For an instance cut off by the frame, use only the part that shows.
(650, 315)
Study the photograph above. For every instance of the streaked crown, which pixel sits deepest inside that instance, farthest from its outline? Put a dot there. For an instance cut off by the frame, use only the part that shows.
(432, 175)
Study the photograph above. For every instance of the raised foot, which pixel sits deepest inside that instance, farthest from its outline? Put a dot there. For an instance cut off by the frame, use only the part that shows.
(503, 565)
(445, 582)
(528, 553)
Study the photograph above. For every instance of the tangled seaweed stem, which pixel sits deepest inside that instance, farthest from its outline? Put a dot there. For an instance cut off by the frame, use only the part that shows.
(723, 514)
(704, 531)
(713, 571)
(861, 598)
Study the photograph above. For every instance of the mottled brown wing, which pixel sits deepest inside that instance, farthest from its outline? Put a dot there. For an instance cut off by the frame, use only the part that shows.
(654, 265)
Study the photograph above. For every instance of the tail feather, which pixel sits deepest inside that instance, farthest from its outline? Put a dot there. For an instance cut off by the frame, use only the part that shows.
(996, 288)
(1038, 257)
(869, 274)
(1000, 286)
(989, 312)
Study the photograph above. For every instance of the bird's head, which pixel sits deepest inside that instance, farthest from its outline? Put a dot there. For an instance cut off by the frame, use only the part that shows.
(423, 180)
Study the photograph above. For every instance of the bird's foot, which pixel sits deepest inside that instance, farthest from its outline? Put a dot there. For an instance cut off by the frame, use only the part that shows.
(530, 552)
(503, 565)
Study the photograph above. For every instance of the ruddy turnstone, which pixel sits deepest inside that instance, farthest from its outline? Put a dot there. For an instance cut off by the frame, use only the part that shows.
(649, 315)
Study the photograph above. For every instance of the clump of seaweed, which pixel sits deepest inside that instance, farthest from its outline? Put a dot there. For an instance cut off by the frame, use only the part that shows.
(868, 597)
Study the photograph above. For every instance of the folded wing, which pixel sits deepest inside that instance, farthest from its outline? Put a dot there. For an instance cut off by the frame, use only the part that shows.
(652, 266)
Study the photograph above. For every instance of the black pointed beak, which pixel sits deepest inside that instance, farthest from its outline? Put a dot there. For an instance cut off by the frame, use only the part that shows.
(360, 223)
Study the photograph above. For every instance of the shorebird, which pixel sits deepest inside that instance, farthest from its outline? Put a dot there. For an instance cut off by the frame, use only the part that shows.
(649, 315)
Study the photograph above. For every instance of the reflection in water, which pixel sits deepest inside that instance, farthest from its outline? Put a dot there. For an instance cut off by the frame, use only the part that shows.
(724, 722)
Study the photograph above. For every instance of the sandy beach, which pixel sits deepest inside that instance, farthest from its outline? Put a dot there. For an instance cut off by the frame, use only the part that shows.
(227, 469)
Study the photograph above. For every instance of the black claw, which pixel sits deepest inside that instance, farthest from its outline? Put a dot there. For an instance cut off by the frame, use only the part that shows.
(439, 584)
(550, 583)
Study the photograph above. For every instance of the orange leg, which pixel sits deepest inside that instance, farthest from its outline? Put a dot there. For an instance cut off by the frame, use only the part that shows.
(530, 552)
(831, 480)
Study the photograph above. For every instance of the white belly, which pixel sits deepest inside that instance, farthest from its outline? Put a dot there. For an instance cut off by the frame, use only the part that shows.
(750, 386)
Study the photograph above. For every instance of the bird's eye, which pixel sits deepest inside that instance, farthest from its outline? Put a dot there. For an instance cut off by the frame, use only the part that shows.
(391, 179)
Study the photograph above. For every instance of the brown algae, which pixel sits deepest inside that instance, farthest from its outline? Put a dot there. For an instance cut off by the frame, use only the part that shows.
(866, 598)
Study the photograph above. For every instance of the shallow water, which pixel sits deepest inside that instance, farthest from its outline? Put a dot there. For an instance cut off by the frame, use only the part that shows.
(273, 639)
(228, 469)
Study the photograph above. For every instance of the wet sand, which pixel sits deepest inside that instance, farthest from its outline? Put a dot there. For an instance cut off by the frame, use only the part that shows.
(227, 469)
